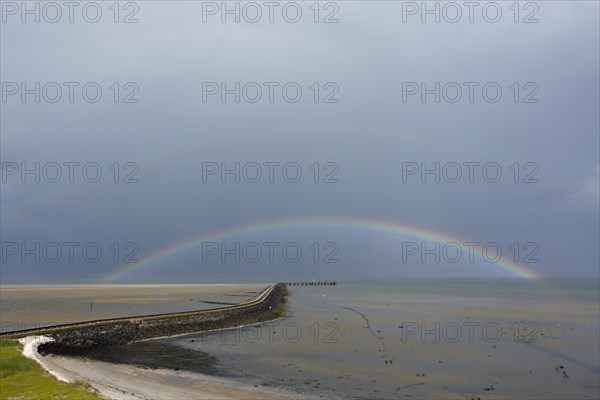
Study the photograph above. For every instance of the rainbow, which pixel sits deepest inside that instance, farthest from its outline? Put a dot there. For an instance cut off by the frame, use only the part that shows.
(378, 226)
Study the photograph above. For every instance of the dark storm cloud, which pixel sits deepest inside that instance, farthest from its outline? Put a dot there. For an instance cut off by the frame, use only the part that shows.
(369, 134)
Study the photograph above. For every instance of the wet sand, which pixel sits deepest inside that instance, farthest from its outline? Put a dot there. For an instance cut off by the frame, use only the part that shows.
(367, 352)
(128, 382)
(353, 343)
(29, 306)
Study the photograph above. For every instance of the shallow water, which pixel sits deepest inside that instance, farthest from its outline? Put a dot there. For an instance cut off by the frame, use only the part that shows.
(412, 338)
(158, 354)
(422, 339)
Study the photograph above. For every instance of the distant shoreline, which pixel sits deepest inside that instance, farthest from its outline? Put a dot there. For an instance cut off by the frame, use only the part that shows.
(106, 285)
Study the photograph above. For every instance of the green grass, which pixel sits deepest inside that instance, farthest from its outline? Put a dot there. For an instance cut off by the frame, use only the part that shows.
(24, 379)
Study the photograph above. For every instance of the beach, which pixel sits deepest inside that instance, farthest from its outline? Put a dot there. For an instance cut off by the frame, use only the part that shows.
(421, 339)
(129, 382)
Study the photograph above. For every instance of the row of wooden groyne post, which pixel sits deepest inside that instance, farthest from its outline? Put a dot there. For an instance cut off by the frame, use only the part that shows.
(313, 283)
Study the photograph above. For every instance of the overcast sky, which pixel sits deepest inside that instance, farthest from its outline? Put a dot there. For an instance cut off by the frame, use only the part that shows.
(373, 64)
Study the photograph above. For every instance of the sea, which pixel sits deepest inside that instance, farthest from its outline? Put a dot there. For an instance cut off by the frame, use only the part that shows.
(392, 339)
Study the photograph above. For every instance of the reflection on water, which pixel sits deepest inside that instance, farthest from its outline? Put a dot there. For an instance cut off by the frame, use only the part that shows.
(157, 354)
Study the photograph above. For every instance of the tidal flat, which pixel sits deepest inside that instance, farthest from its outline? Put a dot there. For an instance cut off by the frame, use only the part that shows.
(30, 306)
(426, 339)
